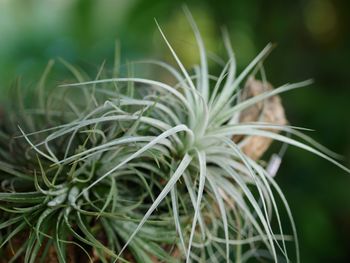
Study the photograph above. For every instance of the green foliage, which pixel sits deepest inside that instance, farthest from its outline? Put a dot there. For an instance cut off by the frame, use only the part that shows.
(135, 166)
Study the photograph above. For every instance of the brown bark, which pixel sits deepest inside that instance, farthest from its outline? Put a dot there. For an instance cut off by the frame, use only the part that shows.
(268, 111)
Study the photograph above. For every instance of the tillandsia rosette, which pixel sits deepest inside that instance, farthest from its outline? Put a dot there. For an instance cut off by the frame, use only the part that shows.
(138, 170)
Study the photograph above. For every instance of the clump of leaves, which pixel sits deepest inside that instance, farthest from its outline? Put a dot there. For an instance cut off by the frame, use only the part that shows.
(135, 169)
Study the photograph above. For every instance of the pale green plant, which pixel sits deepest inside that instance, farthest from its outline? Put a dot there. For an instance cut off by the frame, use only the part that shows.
(149, 164)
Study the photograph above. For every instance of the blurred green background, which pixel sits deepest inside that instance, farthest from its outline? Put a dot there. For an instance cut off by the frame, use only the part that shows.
(313, 41)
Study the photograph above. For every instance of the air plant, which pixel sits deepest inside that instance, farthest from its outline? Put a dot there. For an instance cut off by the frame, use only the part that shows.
(138, 170)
